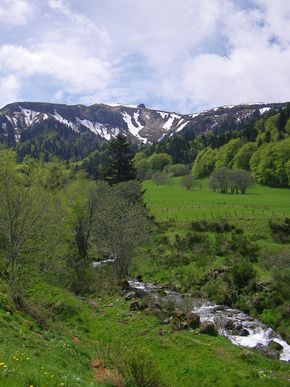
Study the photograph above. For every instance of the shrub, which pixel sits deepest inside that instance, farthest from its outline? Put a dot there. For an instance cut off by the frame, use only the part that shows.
(281, 231)
(242, 273)
(187, 181)
(161, 178)
(141, 370)
(179, 169)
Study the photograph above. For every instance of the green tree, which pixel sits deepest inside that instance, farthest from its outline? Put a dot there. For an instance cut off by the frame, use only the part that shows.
(220, 179)
(269, 163)
(243, 157)
(119, 165)
(81, 207)
(225, 155)
(159, 160)
(204, 163)
(29, 226)
(240, 180)
(119, 227)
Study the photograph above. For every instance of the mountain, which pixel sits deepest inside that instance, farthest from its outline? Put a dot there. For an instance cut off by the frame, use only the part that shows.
(75, 130)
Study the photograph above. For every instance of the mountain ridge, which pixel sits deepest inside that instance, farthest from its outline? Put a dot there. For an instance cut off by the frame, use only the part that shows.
(79, 129)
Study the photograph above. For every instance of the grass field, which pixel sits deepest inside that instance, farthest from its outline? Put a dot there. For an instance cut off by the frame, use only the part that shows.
(252, 210)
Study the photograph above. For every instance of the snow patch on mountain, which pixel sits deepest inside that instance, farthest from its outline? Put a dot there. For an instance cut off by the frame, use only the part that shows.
(99, 129)
(62, 120)
(132, 128)
(264, 110)
(163, 115)
(181, 126)
(168, 124)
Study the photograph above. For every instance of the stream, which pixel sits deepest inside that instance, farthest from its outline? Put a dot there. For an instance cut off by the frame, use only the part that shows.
(233, 324)
(237, 326)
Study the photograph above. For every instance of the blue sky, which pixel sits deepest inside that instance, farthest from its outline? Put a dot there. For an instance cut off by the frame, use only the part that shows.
(185, 56)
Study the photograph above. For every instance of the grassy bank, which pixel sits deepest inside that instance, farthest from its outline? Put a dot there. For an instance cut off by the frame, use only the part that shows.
(82, 332)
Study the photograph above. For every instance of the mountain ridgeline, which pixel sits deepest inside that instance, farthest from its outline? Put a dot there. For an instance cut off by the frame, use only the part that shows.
(71, 132)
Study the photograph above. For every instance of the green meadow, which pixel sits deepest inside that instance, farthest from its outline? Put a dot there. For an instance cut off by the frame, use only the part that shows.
(251, 211)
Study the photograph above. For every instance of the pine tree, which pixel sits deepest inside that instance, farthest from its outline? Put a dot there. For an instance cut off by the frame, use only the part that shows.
(119, 164)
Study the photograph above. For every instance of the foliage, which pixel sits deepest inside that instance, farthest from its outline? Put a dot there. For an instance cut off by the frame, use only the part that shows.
(29, 225)
(159, 160)
(119, 227)
(140, 369)
(118, 165)
(234, 180)
(179, 169)
(187, 181)
(269, 163)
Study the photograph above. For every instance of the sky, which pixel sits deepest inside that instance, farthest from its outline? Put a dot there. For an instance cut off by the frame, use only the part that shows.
(177, 55)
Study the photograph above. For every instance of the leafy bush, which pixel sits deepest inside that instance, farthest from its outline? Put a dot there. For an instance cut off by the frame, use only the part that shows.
(179, 169)
(187, 181)
(281, 231)
(242, 273)
(161, 178)
(219, 227)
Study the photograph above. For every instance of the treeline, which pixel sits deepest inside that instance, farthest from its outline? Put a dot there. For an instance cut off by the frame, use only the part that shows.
(262, 148)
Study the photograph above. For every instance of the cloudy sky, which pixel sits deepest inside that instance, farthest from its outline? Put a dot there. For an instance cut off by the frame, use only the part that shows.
(181, 55)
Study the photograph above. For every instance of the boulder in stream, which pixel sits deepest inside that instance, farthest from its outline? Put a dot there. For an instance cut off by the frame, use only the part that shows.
(275, 346)
(193, 320)
(208, 328)
(135, 305)
(130, 295)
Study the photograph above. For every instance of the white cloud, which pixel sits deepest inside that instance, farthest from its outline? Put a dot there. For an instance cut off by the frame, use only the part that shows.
(9, 89)
(15, 12)
(179, 55)
(254, 70)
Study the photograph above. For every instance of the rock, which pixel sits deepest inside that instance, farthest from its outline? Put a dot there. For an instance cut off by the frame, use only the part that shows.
(143, 306)
(141, 106)
(230, 325)
(156, 306)
(166, 321)
(178, 315)
(193, 320)
(244, 332)
(135, 305)
(163, 332)
(268, 351)
(130, 295)
(181, 326)
(93, 304)
(275, 346)
(124, 284)
(139, 277)
(208, 328)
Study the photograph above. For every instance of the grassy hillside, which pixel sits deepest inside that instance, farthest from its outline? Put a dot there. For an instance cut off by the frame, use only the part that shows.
(87, 343)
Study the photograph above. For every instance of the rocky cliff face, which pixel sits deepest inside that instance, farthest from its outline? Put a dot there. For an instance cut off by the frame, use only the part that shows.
(24, 120)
